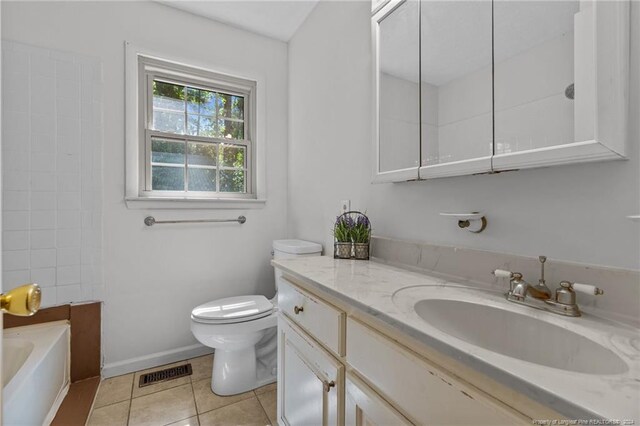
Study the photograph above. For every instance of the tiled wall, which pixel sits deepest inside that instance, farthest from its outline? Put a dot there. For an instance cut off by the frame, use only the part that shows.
(52, 172)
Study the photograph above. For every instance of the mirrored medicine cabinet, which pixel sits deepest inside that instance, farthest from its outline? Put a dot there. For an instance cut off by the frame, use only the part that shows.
(480, 86)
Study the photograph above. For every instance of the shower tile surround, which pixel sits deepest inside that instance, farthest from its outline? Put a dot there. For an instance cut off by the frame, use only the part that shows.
(620, 301)
(52, 172)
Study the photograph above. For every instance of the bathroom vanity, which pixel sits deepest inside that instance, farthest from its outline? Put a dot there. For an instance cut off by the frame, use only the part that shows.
(363, 342)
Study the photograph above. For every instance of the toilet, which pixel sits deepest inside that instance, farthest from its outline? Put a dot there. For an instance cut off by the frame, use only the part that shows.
(242, 330)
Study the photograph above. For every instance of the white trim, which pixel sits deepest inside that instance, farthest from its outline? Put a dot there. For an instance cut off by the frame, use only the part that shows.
(410, 173)
(457, 168)
(258, 114)
(153, 360)
(142, 203)
(578, 152)
(396, 175)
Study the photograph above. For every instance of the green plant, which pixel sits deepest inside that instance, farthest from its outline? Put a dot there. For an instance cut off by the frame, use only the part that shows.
(361, 230)
(343, 229)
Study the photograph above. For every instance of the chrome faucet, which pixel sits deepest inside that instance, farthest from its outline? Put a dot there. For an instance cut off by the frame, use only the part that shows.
(539, 296)
(542, 288)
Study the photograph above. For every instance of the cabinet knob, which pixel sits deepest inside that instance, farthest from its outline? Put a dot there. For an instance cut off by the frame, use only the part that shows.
(298, 309)
(326, 385)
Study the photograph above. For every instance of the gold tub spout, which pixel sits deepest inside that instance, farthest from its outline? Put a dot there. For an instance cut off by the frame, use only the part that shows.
(22, 301)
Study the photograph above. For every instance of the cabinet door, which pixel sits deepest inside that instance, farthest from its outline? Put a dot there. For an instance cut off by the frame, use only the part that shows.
(364, 407)
(426, 394)
(560, 76)
(456, 87)
(310, 380)
(396, 40)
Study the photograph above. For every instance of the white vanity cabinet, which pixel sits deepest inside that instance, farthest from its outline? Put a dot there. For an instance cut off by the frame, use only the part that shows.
(423, 391)
(365, 407)
(310, 380)
(334, 370)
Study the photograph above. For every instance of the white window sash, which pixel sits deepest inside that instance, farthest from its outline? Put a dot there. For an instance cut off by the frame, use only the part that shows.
(150, 70)
(185, 139)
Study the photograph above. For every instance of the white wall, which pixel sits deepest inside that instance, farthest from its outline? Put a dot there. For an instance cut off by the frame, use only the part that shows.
(574, 213)
(52, 189)
(155, 276)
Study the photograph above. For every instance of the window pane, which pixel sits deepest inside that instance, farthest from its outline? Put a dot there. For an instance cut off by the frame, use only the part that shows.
(232, 156)
(208, 102)
(224, 108)
(237, 107)
(171, 122)
(202, 179)
(202, 154)
(168, 96)
(167, 151)
(200, 125)
(167, 178)
(234, 129)
(230, 129)
(168, 107)
(232, 181)
(193, 101)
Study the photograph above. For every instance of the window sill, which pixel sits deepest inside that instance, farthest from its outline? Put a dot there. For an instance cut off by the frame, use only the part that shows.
(140, 203)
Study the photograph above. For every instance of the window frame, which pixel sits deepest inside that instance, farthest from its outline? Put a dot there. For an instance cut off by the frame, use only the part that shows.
(150, 69)
(197, 69)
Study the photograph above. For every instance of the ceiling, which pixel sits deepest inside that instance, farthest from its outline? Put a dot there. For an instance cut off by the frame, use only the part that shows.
(278, 19)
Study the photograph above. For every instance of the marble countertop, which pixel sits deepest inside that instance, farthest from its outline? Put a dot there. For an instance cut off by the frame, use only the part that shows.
(389, 293)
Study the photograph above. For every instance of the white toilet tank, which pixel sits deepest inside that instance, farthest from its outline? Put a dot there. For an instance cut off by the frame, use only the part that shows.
(286, 249)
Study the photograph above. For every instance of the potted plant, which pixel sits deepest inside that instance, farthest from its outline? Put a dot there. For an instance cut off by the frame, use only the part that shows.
(342, 233)
(361, 233)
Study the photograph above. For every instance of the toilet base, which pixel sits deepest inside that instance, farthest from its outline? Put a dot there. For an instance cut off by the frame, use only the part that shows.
(237, 372)
(242, 370)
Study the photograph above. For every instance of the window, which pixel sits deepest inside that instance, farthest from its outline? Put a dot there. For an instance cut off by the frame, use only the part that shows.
(196, 132)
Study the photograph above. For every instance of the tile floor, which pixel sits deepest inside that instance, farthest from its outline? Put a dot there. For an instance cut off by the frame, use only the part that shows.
(187, 401)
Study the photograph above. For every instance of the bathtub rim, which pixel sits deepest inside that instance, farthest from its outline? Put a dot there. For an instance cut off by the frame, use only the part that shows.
(36, 357)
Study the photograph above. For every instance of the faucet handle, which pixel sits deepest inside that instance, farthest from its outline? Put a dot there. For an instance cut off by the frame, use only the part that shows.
(502, 273)
(566, 295)
(587, 288)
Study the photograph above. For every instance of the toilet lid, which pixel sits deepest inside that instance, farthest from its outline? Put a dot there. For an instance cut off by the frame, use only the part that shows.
(233, 309)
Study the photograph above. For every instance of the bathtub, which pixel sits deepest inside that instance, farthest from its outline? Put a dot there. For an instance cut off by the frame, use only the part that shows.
(35, 372)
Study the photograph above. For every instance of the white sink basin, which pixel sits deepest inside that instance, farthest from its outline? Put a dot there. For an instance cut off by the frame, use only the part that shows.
(519, 336)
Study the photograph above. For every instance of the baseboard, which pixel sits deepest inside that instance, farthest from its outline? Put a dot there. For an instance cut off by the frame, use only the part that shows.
(153, 360)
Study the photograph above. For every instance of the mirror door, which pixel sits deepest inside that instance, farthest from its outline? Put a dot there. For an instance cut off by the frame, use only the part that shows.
(477, 86)
(559, 77)
(456, 88)
(535, 86)
(397, 82)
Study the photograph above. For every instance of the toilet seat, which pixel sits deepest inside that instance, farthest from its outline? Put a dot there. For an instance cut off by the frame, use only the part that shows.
(233, 310)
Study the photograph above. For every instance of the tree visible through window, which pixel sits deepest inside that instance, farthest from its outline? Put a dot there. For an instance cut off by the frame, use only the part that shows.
(198, 139)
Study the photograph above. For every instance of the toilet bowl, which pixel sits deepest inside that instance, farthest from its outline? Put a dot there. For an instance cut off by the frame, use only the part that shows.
(242, 330)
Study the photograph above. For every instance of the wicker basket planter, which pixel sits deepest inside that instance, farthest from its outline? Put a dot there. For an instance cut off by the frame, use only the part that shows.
(357, 221)
(361, 251)
(343, 250)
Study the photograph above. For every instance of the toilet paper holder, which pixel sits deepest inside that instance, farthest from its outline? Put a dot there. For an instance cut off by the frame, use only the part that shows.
(474, 222)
